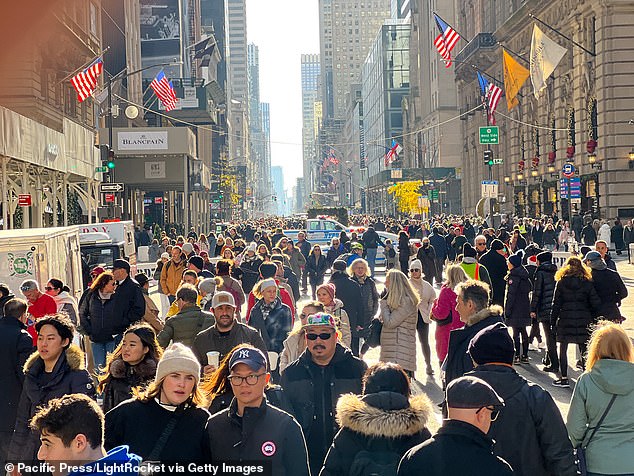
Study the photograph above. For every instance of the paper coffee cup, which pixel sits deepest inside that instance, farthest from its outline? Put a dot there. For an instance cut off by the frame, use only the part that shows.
(273, 358)
(213, 358)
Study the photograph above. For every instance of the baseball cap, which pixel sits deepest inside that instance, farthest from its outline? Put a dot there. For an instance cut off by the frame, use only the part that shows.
(593, 256)
(141, 279)
(98, 270)
(320, 319)
(223, 297)
(252, 357)
(472, 392)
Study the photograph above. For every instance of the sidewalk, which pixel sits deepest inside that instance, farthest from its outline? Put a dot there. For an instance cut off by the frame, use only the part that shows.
(626, 271)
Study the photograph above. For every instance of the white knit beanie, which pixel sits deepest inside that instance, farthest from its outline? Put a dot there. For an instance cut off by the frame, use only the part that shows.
(178, 358)
(416, 264)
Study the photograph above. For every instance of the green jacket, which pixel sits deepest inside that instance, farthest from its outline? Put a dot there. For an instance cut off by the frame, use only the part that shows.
(184, 326)
(612, 446)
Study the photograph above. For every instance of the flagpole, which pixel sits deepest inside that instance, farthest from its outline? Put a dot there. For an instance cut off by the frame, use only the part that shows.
(517, 55)
(561, 34)
(459, 34)
(83, 66)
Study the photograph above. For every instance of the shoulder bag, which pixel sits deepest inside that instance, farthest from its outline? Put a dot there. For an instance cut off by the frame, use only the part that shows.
(580, 451)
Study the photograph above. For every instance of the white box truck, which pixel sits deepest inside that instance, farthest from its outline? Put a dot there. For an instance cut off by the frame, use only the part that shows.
(102, 243)
(41, 254)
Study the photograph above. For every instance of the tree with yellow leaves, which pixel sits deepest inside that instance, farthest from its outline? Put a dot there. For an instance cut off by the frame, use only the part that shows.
(406, 195)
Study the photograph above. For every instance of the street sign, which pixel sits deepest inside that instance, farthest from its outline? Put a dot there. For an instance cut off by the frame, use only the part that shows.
(489, 188)
(101, 169)
(568, 170)
(489, 135)
(575, 187)
(396, 173)
(158, 200)
(111, 187)
(498, 161)
(109, 197)
(24, 200)
(432, 195)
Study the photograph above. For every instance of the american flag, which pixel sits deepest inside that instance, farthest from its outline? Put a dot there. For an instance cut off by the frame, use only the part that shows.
(491, 94)
(332, 157)
(85, 82)
(446, 41)
(392, 154)
(164, 90)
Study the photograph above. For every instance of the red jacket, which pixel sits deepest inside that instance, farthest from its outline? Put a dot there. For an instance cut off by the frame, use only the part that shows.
(444, 303)
(43, 306)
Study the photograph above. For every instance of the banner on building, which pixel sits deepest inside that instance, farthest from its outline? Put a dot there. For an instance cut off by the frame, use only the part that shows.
(545, 56)
(514, 77)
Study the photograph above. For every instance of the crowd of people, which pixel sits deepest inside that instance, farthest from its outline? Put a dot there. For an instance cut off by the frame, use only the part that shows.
(245, 366)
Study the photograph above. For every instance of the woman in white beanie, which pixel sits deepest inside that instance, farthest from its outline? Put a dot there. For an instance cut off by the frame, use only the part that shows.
(167, 420)
(427, 294)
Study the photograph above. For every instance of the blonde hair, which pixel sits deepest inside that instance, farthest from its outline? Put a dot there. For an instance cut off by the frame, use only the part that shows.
(153, 390)
(257, 291)
(356, 262)
(574, 267)
(609, 341)
(455, 275)
(400, 288)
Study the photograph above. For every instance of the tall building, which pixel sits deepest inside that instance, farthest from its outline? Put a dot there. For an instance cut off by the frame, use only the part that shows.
(257, 181)
(265, 172)
(277, 177)
(310, 95)
(347, 30)
(401, 9)
(385, 84)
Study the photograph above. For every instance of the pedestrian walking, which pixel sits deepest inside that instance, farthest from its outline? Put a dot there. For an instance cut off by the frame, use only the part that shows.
(295, 343)
(128, 303)
(495, 262)
(360, 273)
(316, 267)
(152, 312)
(608, 285)
(541, 306)
(371, 241)
(334, 307)
(349, 292)
(270, 316)
(66, 303)
(427, 256)
(517, 305)
(427, 296)
(40, 305)
(404, 251)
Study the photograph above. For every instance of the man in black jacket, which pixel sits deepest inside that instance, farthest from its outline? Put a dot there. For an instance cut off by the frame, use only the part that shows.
(5, 296)
(461, 445)
(472, 305)
(609, 287)
(530, 433)
(349, 292)
(494, 261)
(128, 301)
(437, 240)
(251, 429)
(15, 347)
(314, 382)
(371, 241)
(304, 246)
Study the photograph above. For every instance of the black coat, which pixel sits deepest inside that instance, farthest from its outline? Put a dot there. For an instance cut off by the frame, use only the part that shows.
(371, 239)
(575, 306)
(427, 256)
(544, 291)
(458, 362)
(15, 347)
(250, 268)
(140, 425)
(313, 392)
(265, 433)
(68, 376)
(458, 448)
(529, 433)
(383, 422)
(316, 266)
(517, 302)
(129, 304)
(369, 300)
(440, 245)
(611, 291)
(273, 322)
(538, 235)
(123, 378)
(495, 264)
(97, 319)
(211, 339)
(3, 301)
(349, 292)
(588, 235)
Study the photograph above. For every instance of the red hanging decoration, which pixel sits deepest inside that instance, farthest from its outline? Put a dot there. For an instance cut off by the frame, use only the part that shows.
(570, 152)
(520, 165)
(552, 156)
(535, 162)
(591, 145)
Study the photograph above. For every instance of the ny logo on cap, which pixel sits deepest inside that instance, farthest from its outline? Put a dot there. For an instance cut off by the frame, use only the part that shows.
(243, 354)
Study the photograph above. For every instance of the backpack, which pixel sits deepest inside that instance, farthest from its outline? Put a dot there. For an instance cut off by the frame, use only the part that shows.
(234, 292)
(375, 463)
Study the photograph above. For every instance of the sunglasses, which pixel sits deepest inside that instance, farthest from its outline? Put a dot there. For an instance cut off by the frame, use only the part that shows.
(322, 336)
(414, 270)
(494, 413)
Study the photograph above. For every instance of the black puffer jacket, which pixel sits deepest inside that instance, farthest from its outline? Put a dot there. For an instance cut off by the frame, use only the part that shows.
(349, 292)
(611, 291)
(517, 302)
(544, 291)
(274, 322)
(495, 264)
(274, 395)
(383, 422)
(250, 268)
(575, 306)
(458, 362)
(68, 376)
(530, 433)
(369, 300)
(123, 378)
(427, 256)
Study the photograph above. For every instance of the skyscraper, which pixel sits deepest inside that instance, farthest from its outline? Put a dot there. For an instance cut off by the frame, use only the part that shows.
(277, 176)
(265, 172)
(310, 94)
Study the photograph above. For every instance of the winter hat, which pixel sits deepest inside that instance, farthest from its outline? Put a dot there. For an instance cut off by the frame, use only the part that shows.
(469, 251)
(197, 261)
(267, 283)
(339, 265)
(416, 264)
(165, 255)
(592, 256)
(595, 261)
(207, 286)
(121, 264)
(584, 250)
(252, 247)
(545, 257)
(329, 288)
(188, 247)
(497, 245)
(178, 358)
(516, 258)
(141, 279)
(492, 344)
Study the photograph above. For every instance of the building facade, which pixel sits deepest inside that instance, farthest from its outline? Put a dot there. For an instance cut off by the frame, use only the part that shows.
(310, 75)
(581, 118)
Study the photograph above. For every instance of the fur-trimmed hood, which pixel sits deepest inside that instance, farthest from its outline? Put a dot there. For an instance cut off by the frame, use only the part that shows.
(145, 370)
(384, 414)
(484, 313)
(74, 357)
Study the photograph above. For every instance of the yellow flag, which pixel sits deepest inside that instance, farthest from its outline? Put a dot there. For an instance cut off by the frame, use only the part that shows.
(514, 76)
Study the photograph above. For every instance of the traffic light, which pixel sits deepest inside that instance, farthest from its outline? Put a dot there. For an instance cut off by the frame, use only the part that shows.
(107, 156)
(488, 157)
(110, 164)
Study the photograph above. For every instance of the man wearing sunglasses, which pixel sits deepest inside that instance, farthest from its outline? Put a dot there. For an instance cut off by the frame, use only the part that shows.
(461, 445)
(530, 434)
(314, 382)
(251, 429)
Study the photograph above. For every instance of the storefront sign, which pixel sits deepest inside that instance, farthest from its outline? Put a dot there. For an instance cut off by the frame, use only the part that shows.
(24, 200)
(142, 140)
(155, 170)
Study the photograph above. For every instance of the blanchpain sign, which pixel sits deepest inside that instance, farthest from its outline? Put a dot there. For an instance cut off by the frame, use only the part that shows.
(145, 140)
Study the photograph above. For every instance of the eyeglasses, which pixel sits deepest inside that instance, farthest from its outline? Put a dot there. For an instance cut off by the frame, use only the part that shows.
(237, 380)
(322, 336)
(414, 270)
(494, 413)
